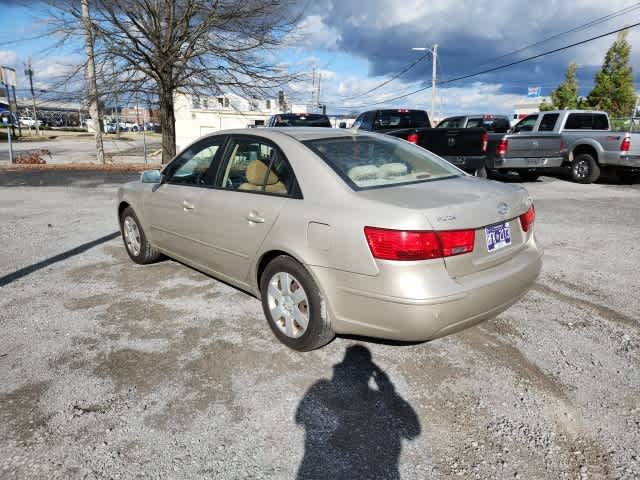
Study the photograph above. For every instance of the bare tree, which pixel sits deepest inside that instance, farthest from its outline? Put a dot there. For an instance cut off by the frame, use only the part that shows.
(94, 104)
(200, 47)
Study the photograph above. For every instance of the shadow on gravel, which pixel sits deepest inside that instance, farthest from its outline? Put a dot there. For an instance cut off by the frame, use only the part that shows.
(12, 277)
(354, 430)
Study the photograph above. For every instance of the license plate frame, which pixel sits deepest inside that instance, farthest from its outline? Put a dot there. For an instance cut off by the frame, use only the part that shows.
(498, 236)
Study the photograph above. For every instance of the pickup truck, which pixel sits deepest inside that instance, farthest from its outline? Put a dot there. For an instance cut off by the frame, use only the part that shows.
(464, 148)
(589, 144)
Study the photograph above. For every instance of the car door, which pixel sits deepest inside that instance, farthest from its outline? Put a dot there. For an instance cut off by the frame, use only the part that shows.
(170, 209)
(253, 184)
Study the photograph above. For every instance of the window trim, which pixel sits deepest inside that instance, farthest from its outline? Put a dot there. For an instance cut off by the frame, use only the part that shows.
(215, 163)
(296, 191)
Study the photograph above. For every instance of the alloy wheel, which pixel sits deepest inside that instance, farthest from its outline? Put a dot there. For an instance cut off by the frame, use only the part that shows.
(288, 304)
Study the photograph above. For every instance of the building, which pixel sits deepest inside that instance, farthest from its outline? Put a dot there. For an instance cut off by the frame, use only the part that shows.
(531, 105)
(199, 115)
(139, 115)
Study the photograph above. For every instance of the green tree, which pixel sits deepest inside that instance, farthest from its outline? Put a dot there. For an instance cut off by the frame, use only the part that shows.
(566, 95)
(613, 91)
(545, 107)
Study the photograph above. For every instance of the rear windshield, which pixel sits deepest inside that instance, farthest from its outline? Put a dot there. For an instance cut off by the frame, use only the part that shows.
(371, 162)
(301, 120)
(400, 119)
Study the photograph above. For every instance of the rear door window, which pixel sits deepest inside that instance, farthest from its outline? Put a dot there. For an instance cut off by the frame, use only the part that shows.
(454, 122)
(548, 122)
(600, 121)
(579, 121)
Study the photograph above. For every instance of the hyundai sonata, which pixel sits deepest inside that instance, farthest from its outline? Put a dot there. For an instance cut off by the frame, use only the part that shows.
(338, 232)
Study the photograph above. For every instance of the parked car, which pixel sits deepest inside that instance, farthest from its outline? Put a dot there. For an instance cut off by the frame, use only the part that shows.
(465, 148)
(337, 231)
(589, 143)
(29, 122)
(299, 120)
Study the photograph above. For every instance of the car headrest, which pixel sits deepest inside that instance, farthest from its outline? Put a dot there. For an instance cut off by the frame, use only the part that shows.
(256, 171)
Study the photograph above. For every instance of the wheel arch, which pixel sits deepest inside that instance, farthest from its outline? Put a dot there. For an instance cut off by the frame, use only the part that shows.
(588, 148)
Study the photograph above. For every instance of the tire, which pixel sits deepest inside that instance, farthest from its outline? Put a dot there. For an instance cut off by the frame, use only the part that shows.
(584, 169)
(135, 241)
(280, 281)
(481, 172)
(528, 176)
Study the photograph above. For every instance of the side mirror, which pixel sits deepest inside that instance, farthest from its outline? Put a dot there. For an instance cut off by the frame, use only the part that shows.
(343, 125)
(151, 176)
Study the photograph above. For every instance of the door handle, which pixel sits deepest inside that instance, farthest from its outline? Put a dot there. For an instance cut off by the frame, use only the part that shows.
(187, 206)
(254, 217)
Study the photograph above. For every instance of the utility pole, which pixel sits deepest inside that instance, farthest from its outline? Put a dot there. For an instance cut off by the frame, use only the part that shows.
(29, 72)
(434, 58)
(94, 107)
(318, 92)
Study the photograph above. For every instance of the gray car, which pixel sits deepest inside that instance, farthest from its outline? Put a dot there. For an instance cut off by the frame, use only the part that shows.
(338, 232)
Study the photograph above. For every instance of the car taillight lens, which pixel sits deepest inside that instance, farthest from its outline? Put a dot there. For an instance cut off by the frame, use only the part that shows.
(625, 146)
(413, 138)
(527, 218)
(484, 141)
(388, 244)
(502, 147)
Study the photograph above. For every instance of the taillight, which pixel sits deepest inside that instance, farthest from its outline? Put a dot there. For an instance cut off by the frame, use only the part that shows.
(484, 141)
(388, 244)
(412, 138)
(625, 146)
(502, 147)
(527, 218)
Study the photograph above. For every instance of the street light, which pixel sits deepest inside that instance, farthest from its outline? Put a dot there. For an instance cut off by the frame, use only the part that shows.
(434, 57)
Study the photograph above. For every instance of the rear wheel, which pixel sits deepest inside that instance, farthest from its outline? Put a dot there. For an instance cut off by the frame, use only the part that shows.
(585, 169)
(529, 175)
(294, 308)
(135, 241)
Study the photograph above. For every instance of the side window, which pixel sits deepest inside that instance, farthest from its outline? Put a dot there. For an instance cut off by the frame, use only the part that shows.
(548, 122)
(579, 121)
(367, 120)
(526, 124)
(256, 165)
(475, 123)
(196, 166)
(451, 123)
(358, 121)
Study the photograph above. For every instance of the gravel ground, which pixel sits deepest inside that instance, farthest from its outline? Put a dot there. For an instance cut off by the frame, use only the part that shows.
(113, 370)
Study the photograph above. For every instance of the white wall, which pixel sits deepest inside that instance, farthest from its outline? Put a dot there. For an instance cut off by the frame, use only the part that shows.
(211, 116)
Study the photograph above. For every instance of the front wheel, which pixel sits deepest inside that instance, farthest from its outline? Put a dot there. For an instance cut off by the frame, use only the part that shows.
(135, 241)
(584, 169)
(293, 305)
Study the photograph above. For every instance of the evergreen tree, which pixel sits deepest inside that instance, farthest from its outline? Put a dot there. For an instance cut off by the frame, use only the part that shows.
(613, 91)
(545, 107)
(566, 95)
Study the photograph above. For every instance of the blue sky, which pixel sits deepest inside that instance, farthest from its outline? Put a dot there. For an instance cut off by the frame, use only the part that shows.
(358, 45)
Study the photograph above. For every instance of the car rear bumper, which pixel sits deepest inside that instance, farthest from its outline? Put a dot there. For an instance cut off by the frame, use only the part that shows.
(467, 163)
(417, 301)
(518, 162)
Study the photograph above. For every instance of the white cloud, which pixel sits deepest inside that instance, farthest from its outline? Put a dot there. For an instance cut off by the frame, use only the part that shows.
(312, 32)
(8, 58)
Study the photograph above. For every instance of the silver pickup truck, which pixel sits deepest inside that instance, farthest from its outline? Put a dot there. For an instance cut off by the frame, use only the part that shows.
(588, 145)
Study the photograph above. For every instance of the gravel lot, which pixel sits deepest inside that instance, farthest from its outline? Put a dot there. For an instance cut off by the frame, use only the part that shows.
(113, 370)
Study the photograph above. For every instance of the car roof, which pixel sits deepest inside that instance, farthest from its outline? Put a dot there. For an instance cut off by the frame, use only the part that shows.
(299, 133)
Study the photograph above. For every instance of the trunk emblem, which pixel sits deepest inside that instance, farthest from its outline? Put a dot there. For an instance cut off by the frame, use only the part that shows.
(451, 141)
(503, 209)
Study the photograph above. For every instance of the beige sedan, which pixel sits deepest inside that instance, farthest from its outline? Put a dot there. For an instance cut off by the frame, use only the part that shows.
(338, 232)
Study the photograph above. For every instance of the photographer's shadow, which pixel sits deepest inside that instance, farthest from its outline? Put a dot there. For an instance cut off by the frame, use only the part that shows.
(354, 429)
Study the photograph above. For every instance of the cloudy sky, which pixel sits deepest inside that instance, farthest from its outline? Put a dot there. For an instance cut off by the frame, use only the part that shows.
(358, 45)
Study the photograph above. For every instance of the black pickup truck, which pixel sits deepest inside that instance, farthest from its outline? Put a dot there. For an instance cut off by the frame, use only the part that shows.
(465, 148)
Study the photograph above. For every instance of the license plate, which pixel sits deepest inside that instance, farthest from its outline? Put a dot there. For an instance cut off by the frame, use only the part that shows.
(498, 236)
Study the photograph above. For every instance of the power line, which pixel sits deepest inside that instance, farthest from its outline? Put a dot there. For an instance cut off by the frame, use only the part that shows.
(591, 23)
(500, 67)
(402, 72)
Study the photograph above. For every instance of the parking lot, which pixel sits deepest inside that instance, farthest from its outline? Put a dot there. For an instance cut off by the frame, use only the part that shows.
(109, 369)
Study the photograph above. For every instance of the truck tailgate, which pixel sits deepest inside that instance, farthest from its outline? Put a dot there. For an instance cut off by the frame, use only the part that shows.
(538, 145)
(448, 142)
